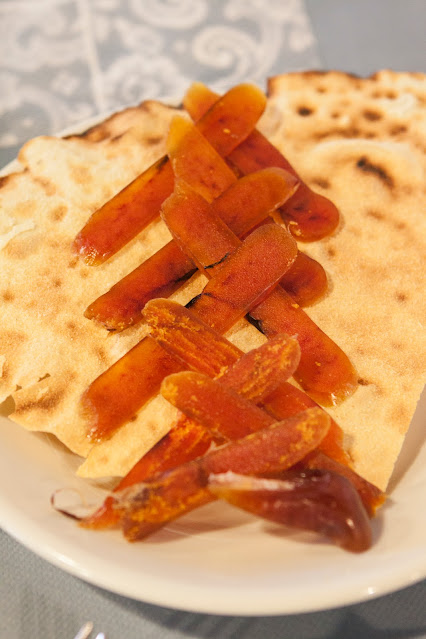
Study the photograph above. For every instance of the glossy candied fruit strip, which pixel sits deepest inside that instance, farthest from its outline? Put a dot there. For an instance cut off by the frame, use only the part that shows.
(144, 508)
(198, 99)
(246, 277)
(287, 400)
(206, 238)
(222, 411)
(241, 207)
(371, 496)
(309, 215)
(160, 275)
(201, 233)
(306, 281)
(196, 161)
(232, 117)
(115, 397)
(257, 373)
(226, 298)
(190, 440)
(320, 501)
(190, 220)
(181, 332)
(186, 441)
(253, 197)
(120, 219)
(324, 370)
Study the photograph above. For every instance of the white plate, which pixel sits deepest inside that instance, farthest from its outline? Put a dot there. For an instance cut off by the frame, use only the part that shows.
(217, 559)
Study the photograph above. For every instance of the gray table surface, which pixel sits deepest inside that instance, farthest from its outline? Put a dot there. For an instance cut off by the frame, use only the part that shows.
(58, 64)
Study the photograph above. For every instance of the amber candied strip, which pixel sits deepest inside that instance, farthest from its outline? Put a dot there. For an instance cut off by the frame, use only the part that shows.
(144, 508)
(309, 216)
(221, 410)
(184, 442)
(257, 373)
(324, 371)
(253, 197)
(247, 277)
(196, 161)
(160, 275)
(287, 400)
(190, 440)
(242, 207)
(320, 501)
(306, 281)
(139, 373)
(180, 331)
(232, 117)
(114, 397)
(120, 219)
(191, 221)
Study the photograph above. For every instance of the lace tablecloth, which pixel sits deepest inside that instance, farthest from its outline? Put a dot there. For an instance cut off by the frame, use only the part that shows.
(62, 61)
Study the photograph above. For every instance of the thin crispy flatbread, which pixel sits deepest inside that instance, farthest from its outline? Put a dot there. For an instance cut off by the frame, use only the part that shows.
(360, 142)
(49, 352)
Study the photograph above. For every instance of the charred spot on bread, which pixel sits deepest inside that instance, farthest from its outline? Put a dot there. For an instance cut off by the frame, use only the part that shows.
(367, 166)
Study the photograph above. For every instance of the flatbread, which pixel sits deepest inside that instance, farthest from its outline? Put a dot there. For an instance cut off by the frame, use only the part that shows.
(49, 352)
(363, 144)
(360, 142)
